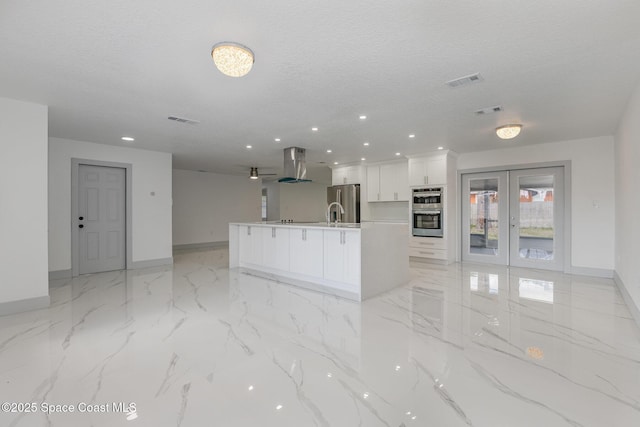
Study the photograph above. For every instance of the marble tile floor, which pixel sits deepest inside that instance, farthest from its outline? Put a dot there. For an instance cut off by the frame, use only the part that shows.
(198, 345)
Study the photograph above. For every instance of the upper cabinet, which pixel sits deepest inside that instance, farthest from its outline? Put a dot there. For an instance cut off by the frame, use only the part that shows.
(346, 175)
(428, 170)
(387, 182)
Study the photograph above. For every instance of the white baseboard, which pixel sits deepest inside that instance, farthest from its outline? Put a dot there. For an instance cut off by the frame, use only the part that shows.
(205, 245)
(29, 304)
(60, 274)
(633, 308)
(593, 272)
(135, 265)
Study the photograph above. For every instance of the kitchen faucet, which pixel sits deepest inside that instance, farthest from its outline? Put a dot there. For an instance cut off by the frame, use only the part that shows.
(329, 211)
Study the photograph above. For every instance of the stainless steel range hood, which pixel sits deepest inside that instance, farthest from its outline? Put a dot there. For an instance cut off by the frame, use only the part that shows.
(295, 168)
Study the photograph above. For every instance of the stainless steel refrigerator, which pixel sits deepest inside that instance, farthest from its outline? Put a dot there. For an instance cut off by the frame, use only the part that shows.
(349, 197)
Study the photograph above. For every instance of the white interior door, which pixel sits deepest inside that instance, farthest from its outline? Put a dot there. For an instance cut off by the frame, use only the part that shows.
(485, 217)
(514, 218)
(101, 219)
(537, 218)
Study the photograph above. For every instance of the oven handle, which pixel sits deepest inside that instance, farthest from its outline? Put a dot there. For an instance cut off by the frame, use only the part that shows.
(428, 212)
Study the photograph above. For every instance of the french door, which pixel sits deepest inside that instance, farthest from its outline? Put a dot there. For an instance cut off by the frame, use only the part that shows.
(514, 218)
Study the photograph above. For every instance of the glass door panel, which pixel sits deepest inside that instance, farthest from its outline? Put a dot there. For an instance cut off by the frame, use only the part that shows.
(485, 210)
(537, 214)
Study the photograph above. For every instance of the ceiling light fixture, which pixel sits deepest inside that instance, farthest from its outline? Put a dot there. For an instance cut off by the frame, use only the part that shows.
(508, 131)
(254, 173)
(412, 136)
(232, 59)
(363, 159)
(363, 117)
(441, 148)
(249, 147)
(335, 163)
(329, 151)
(314, 129)
(397, 154)
(127, 138)
(366, 144)
(277, 140)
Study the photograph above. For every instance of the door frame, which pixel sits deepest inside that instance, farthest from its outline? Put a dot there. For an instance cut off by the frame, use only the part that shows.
(75, 251)
(566, 164)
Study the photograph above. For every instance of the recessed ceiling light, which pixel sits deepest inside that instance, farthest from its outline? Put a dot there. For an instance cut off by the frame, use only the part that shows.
(277, 140)
(279, 407)
(412, 136)
(397, 154)
(508, 131)
(366, 144)
(249, 146)
(363, 117)
(335, 163)
(440, 148)
(328, 151)
(127, 138)
(314, 129)
(363, 159)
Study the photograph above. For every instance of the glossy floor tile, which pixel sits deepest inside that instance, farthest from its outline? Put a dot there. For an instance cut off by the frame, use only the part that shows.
(198, 345)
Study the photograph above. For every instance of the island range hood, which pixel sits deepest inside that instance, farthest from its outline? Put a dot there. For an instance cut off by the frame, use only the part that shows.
(295, 168)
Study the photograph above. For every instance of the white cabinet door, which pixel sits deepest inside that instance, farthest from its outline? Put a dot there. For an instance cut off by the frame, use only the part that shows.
(428, 170)
(436, 170)
(346, 175)
(342, 256)
(373, 183)
(392, 182)
(352, 255)
(250, 242)
(417, 172)
(306, 252)
(275, 248)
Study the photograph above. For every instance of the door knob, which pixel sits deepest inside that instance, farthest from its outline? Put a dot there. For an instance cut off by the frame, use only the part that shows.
(81, 226)
(81, 218)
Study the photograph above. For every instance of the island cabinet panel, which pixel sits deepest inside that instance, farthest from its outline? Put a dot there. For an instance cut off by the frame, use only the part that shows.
(250, 246)
(342, 256)
(275, 248)
(306, 252)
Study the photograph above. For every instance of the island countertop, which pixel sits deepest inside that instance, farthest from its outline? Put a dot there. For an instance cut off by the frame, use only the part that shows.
(355, 261)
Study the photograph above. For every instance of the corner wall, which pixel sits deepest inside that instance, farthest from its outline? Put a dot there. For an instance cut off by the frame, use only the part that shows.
(627, 185)
(23, 213)
(150, 213)
(592, 192)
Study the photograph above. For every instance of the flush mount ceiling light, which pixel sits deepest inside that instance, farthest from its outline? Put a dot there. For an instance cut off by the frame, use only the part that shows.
(232, 59)
(254, 173)
(508, 131)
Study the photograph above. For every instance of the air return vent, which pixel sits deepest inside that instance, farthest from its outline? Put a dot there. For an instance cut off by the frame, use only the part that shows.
(488, 110)
(466, 80)
(183, 120)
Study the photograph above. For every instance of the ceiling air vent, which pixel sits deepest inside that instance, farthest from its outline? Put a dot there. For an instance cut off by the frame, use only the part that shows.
(183, 120)
(488, 110)
(466, 80)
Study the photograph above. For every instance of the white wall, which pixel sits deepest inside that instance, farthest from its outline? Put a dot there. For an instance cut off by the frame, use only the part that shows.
(23, 203)
(592, 191)
(627, 154)
(151, 214)
(205, 203)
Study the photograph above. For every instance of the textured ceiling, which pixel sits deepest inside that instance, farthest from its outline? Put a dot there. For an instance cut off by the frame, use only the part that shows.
(564, 69)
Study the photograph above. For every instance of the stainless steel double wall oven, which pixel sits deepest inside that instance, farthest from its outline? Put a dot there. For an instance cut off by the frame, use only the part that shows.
(427, 209)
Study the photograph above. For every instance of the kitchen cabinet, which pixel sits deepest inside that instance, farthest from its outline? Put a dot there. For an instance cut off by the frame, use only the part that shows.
(275, 247)
(428, 170)
(306, 246)
(346, 175)
(342, 256)
(388, 182)
(250, 247)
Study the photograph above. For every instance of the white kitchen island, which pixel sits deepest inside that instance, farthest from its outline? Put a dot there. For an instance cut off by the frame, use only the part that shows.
(355, 261)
